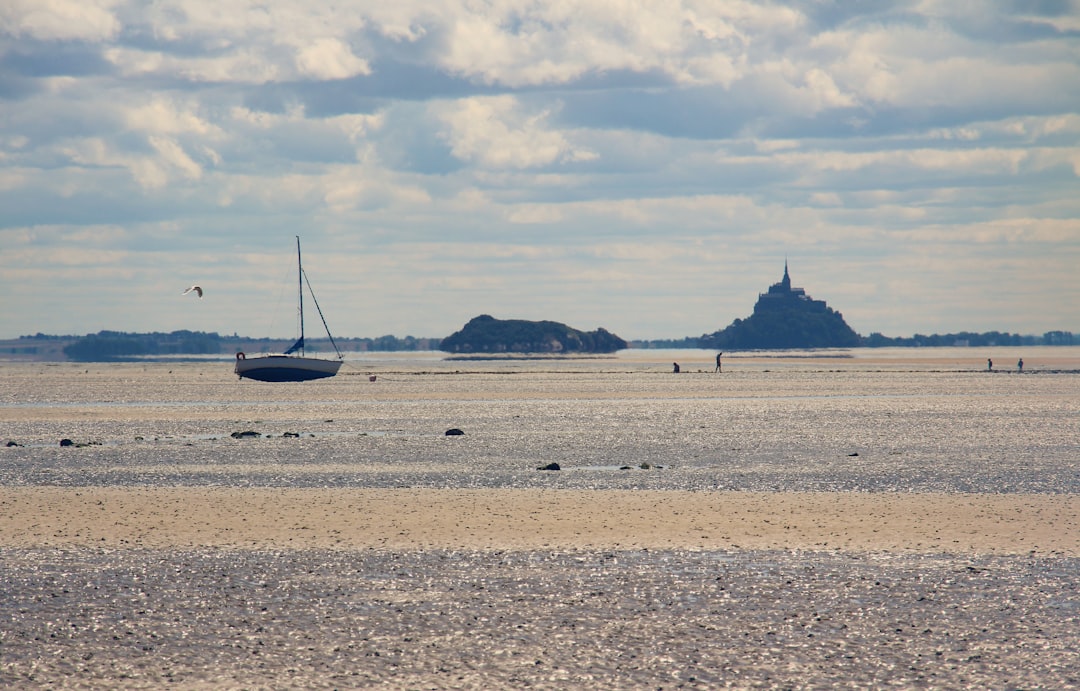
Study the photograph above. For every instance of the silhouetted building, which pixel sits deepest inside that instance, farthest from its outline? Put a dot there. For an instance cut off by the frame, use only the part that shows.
(781, 296)
(785, 317)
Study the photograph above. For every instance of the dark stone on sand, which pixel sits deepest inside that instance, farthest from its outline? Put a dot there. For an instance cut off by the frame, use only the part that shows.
(13, 443)
(454, 432)
(550, 466)
(292, 435)
(66, 442)
(249, 434)
(853, 454)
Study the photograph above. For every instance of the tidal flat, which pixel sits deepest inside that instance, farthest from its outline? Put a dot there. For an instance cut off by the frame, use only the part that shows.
(800, 520)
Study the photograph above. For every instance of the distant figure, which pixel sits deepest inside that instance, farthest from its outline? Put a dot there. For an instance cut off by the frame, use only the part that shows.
(1020, 365)
(676, 370)
(718, 361)
(989, 365)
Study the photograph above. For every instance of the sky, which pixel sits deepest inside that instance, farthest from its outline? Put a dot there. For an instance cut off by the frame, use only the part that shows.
(642, 166)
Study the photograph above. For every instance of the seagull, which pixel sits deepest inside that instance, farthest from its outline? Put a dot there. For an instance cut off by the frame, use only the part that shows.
(197, 289)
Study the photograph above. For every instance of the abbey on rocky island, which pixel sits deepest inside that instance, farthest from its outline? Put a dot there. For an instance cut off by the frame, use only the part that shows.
(781, 296)
(785, 317)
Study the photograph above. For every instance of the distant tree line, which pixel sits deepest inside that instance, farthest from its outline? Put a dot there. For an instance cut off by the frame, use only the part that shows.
(666, 343)
(117, 345)
(380, 343)
(877, 340)
(968, 338)
(388, 343)
(501, 336)
(106, 346)
(46, 337)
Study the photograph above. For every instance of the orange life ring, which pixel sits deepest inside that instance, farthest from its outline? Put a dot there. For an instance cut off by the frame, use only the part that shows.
(240, 355)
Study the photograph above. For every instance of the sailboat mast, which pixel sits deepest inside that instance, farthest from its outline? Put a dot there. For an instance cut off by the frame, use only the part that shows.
(300, 277)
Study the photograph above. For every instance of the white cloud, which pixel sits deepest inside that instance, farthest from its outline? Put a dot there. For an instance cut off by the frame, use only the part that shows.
(979, 162)
(241, 66)
(329, 58)
(264, 120)
(512, 156)
(518, 44)
(163, 116)
(59, 20)
(357, 127)
(824, 93)
(175, 156)
(243, 42)
(496, 132)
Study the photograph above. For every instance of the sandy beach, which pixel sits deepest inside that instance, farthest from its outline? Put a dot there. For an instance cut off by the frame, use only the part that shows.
(409, 519)
(279, 588)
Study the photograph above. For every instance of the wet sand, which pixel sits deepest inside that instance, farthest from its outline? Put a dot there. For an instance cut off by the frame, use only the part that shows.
(269, 588)
(508, 519)
(373, 551)
(273, 588)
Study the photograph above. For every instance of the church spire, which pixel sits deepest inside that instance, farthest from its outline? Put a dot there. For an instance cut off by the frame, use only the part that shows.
(787, 279)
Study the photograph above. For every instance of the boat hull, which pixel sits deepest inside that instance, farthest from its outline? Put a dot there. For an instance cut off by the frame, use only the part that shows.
(283, 368)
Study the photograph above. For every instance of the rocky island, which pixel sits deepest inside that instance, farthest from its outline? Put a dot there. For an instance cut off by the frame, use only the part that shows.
(486, 334)
(785, 317)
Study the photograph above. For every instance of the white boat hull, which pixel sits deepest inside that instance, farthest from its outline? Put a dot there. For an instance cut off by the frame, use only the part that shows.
(282, 368)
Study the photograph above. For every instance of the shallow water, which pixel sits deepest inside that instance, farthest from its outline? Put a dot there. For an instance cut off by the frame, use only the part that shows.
(895, 420)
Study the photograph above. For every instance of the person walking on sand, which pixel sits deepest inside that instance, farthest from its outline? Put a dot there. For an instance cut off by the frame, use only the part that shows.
(718, 362)
(1020, 366)
(676, 367)
(989, 365)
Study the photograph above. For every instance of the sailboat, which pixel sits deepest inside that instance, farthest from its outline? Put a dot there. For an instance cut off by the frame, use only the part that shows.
(292, 365)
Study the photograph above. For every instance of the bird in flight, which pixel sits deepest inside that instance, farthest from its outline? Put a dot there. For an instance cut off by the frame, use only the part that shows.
(197, 289)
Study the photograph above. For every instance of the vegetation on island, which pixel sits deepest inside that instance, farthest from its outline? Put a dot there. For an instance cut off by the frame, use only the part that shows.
(116, 346)
(972, 339)
(486, 334)
(959, 339)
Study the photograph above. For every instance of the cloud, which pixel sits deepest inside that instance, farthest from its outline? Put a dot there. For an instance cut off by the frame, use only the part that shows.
(329, 58)
(240, 66)
(165, 117)
(59, 20)
(174, 155)
(496, 132)
(648, 164)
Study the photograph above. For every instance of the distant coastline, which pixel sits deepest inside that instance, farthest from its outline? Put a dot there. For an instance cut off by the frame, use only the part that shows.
(963, 339)
(785, 317)
(112, 346)
(138, 346)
